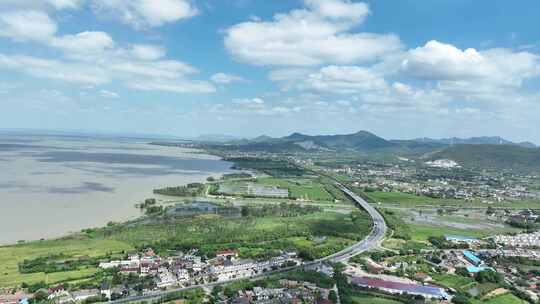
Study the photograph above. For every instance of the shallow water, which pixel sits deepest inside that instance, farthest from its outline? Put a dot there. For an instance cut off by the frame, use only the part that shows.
(52, 186)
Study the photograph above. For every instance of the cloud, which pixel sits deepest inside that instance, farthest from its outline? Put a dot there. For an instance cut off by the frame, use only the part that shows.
(163, 69)
(318, 34)
(345, 80)
(444, 62)
(255, 103)
(40, 4)
(63, 4)
(146, 13)
(22, 25)
(93, 58)
(147, 52)
(83, 43)
(223, 78)
(177, 86)
(54, 69)
(254, 106)
(108, 94)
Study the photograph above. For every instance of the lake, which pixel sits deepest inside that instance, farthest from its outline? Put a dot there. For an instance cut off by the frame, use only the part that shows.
(53, 185)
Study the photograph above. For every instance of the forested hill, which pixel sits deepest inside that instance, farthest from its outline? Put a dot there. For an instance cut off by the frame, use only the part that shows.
(502, 157)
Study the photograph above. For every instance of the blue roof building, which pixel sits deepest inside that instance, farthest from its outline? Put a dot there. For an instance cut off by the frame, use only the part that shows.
(472, 258)
(474, 269)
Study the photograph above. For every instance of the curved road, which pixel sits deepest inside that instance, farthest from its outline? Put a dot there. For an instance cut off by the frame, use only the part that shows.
(372, 241)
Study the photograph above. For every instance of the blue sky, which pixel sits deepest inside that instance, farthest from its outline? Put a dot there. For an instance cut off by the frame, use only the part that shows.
(401, 69)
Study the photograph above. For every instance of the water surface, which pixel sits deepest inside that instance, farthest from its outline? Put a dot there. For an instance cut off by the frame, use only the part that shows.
(52, 186)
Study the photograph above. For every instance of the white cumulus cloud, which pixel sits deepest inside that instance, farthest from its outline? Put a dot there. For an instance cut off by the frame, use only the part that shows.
(345, 80)
(84, 42)
(27, 25)
(445, 62)
(317, 34)
(146, 13)
(108, 94)
(147, 52)
(223, 78)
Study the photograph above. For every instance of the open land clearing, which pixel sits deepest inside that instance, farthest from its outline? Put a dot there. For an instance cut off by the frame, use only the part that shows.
(10, 256)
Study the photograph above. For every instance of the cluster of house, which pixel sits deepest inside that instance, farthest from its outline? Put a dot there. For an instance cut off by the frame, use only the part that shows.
(14, 296)
(443, 163)
(62, 295)
(377, 280)
(409, 180)
(190, 269)
(518, 240)
(289, 292)
(472, 262)
(527, 216)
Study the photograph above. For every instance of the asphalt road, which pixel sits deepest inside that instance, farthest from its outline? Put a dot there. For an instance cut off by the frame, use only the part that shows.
(371, 241)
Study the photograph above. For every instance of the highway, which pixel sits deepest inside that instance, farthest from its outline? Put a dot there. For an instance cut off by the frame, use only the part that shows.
(372, 241)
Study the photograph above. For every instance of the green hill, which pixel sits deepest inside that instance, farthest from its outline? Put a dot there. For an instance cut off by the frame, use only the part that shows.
(361, 141)
(500, 157)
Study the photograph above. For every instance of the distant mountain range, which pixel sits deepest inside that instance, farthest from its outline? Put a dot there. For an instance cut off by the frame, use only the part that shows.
(359, 141)
(475, 152)
(362, 141)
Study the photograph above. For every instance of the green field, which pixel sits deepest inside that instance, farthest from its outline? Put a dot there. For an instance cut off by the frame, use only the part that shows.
(423, 232)
(364, 299)
(301, 188)
(503, 299)
(412, 200)
(313, 235)
(10, 256)
(453, 281)
(409, 200)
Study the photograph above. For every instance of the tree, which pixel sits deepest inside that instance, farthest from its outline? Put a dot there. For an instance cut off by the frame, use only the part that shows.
(40, 296)
(460, 299)
(333, 296)
(244, 211)
(488, 276)
(462, 271)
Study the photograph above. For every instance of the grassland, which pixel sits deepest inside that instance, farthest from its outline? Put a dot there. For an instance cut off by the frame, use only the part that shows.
(365, 298)
(423, 232)
(453, 281)
(313, 235)
(10, 256)
(302, 188)
(411, 200)
(503, 299)
(312, 189)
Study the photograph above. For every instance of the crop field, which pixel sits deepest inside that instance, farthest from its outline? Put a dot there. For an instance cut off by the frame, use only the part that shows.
(410, 200)
(10, 256)
(503, 299)
(365, 298)
(453, 281)
(301, 188)
(423, 232)
(250, 189)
